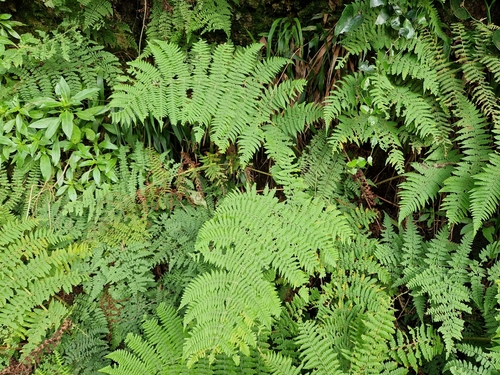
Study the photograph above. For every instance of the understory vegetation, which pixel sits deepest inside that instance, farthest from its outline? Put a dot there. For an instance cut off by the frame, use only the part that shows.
(325, 201)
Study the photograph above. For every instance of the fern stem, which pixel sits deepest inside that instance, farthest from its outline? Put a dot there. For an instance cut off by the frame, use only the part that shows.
(262, 172)
(143, 25)
(387, 180)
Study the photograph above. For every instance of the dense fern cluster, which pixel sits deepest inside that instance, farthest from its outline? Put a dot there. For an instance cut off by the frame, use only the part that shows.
(37, 64)
(139, 233)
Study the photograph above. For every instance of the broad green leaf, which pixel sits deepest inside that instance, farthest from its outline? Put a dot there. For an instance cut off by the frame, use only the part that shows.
(6, 141)
(77, 135)
(96, 174)
(45, 167)
(87, 163)
(110, 164)
(72, 193)
(55, 153)
(84, 94)
(407, 30)
(348, 21)
(383, 16)
(376, 3)
(44, 123)
(6, 41)
(112, 176)
(13, 33)
(89, 134)
(457, 6)
(61, 190)
(36, 114)
(89, 113)
(108, 145)
(496, 38)
(19, 123)
(52, 128)
(7, 127)
(46, 103)
(6, 151)
(396, 22)
(63, 89)
(67, 123)
(85, 177)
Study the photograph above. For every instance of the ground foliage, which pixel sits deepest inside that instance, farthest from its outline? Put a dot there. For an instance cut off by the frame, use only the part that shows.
(326, 205)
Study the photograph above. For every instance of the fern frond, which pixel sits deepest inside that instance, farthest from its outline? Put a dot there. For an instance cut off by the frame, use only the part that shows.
(475, 143)
(342, 98)
(486, 192)
(321, 168)
(280, 365)
(422, 344)
(95, 12)
(316, 351)
(239, 292)
(35, 268)
(423, 185)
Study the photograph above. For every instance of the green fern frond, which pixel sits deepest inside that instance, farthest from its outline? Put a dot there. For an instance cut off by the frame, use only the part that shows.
(95, 12)
(422, 344)
(407, 65)
(486, 192)
(417, 110)
(159, 351)
(423, 185)
(475, 143)
(239, 293)
(225, 93)
(483, 363)
(316, 350)
(228, 308)
(445, 286)
(321, 168)
(55, 366)
(280, 365)
(343, 98)
(35, 267)
(178, 21)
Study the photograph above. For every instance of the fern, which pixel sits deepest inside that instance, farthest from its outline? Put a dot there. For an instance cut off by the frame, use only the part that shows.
(84, 349)
(37, 264)
(486, 192)
(322, 169)
(95, 13)
(227, 241)
(160, 351)
(441, 280)
(222, 92)
(482, 363)
(180, 22)
(425, 185)
(57, 368)
(422, 344)
(40, 63)
(316, 351)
